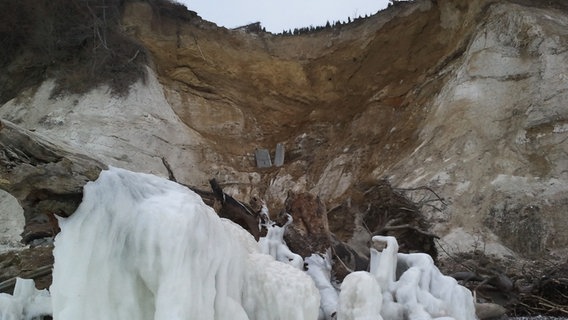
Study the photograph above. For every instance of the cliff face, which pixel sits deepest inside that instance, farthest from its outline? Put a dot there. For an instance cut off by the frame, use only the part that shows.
(465, 97)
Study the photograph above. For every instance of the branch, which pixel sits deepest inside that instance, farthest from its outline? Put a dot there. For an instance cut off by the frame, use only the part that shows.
(342, 263)
(134, 57)
(550, 306)
(453, 257)
(407, 226)
(39, 272)
(171, 176)
(423, 188)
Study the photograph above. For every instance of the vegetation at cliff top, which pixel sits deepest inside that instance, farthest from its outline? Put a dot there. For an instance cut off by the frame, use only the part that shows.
(80, 43)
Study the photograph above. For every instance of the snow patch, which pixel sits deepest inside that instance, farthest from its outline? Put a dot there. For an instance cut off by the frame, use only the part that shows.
(360, 297)
(273, 244)
(319, 269)
(412, 285)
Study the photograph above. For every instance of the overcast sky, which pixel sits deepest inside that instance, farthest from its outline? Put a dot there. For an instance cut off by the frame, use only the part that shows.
(278, 15)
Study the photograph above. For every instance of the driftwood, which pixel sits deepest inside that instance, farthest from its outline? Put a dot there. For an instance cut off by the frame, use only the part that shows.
(388, 228)
(547, 293)
(39, 272)
(392, 213)
(236, 210)
(44, 177)
(47, 179)
(309, 234)
(524, 289)
(380, 209)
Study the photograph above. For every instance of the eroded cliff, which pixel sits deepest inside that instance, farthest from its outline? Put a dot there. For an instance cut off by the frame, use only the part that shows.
(465, 97)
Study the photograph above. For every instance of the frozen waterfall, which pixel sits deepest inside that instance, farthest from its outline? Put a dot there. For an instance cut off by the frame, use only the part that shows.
(142, 247)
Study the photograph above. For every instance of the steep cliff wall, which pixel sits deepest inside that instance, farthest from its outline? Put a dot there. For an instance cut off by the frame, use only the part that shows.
(466, 97)
(494, 139)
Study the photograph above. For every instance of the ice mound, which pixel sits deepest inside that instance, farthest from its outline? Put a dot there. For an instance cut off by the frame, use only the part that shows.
(142, 247)
(411, 286)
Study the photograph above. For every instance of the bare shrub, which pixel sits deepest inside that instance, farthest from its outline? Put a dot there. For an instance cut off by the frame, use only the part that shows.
(79, 42)
(172, 10)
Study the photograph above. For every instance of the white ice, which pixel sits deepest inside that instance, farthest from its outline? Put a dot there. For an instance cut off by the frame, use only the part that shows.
(411, 286)
(274, 245)
(26, 303)
(319, 269)
(142, 247)
(318, 265)
(420, 291)
(360, 298)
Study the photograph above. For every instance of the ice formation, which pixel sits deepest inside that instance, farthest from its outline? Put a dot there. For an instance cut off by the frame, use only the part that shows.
(27, 303)
(360, 297)
(414, 288)
(273, 244)
(318, 266)
(319, 269)
(142, 247)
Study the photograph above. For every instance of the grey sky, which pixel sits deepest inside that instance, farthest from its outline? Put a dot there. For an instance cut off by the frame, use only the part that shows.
(278, 15)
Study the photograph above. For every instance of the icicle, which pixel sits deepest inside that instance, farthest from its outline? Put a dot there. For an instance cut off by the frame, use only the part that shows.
(273, 244)
(383, 264)
(319, 269)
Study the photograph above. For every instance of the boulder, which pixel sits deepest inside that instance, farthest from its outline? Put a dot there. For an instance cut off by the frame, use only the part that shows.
(46, 178)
